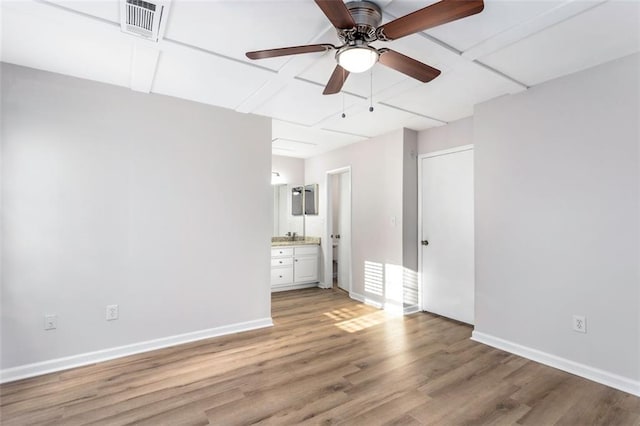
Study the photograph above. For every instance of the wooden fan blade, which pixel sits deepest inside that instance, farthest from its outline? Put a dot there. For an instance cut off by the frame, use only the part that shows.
(336, 81)
(407, 65)
(429, 17)
(284, 51)
(337, 13)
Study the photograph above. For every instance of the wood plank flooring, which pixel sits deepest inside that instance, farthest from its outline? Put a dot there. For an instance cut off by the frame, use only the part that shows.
(327, 360)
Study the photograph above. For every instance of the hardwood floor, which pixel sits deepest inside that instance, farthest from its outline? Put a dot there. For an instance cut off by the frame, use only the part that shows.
(327, 360)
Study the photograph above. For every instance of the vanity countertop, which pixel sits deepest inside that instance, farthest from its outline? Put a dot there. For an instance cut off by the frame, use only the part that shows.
(298, 241)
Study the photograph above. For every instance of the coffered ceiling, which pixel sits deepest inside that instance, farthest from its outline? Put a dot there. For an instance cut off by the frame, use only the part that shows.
(510, 46)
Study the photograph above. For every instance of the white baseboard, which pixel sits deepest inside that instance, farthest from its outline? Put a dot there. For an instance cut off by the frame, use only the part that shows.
(395, 308)
(59, 364)
(356, 296)
(288, 287)
(600, 376)
(360, 298)
(411, 309)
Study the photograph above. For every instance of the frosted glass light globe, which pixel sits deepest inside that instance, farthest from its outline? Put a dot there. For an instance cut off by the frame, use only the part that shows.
(358, 58)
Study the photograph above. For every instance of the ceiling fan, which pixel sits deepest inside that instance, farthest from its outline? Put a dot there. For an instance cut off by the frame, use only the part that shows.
(357, 23)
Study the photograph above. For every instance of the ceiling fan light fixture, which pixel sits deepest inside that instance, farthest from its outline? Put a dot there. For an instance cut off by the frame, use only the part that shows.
(357, 59)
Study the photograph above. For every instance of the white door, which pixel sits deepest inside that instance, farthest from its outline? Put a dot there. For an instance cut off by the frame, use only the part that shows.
(447, 229)
(344, 242)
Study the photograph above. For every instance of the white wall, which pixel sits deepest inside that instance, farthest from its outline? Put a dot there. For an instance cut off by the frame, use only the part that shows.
(117, 197)
(291, 169)
(457, 133)
(377, 209)
(558, 218)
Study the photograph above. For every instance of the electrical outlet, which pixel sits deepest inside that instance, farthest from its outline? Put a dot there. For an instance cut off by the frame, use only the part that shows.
(579, 324)
(50, 322)
(112, 312)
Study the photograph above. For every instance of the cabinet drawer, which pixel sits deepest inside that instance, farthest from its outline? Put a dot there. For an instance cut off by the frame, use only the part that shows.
(281, 261)
(281, 276)
(306, 250)
(281, 251)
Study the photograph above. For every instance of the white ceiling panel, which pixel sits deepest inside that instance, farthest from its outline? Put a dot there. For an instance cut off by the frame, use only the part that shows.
(233, 27)
(291, 145)
(600, 34)
(286, 150)
(285, 130)
(304, 103)
(195, 75)
(51, 39)
(497, 16)
(103, 9)
(382, 120)
(202, 58)
(453, 94)
(305, 142)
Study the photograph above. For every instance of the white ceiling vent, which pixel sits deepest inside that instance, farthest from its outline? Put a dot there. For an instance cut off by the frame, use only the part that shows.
(144, 19)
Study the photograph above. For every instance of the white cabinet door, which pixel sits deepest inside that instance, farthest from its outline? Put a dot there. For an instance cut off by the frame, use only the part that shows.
(305, 268)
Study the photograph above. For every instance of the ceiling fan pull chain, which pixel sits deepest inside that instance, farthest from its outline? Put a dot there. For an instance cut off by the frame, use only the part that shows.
(371, 91)
(343, 79)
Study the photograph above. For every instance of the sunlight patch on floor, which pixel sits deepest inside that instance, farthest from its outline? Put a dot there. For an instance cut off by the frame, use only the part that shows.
(362, 322)
(341, 314)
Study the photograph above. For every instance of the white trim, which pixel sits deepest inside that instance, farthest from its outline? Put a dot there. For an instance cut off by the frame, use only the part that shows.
(356, 296)
(367, 301)
(287, 287)
(394, 308)
(421, 157)
(73, 361)
(600, 376)
(411, 309)
(328, 246)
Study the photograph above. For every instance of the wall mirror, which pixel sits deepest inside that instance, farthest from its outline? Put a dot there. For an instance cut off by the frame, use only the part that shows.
(311, 199)
(283, 220)
(304, 199)
(297, 200)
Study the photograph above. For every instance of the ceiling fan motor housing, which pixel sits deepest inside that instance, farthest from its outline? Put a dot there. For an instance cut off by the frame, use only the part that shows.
(367, 16)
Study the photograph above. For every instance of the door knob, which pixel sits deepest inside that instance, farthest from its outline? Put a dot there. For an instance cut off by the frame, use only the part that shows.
(425, 242)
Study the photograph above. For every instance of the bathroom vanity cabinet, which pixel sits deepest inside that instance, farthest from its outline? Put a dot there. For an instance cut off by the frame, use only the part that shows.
(294, 267)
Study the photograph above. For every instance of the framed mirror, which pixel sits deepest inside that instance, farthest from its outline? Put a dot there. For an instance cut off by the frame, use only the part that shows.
(304, 200)
(311, 199)
(297, 200)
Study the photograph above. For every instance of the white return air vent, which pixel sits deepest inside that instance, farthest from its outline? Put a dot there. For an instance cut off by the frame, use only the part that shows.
(144, 19)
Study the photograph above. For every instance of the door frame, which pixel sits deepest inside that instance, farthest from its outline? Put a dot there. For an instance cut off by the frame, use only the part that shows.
(421, 157)
(328, 246)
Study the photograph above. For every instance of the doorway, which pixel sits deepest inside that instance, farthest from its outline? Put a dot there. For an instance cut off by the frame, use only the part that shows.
(338, 231)
(447, 233)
